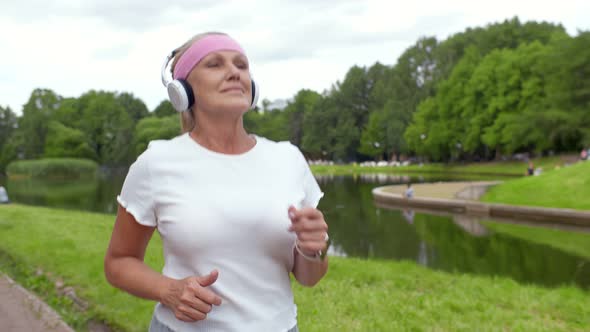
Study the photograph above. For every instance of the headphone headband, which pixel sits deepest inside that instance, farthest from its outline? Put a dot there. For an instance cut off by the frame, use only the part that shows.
(163, 71)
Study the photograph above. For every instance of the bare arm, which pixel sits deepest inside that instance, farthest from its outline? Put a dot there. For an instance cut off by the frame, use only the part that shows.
(123, 264)
(189, 298)
(309, 273)
(311, 230)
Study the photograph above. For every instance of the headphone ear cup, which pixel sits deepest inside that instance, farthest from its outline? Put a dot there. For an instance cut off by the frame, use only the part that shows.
(181, 95)
(255, 94)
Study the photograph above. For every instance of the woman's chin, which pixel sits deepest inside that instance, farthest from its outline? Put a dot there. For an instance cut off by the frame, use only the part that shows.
(234, 106)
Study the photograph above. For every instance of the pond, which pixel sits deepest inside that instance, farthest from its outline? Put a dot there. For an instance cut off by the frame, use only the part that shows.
(360, 229)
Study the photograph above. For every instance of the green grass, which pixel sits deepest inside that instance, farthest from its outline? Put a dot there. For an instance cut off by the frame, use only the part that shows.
(567, 187)
(576, 243)
(491, 168)
(356, 295)
(72, 244)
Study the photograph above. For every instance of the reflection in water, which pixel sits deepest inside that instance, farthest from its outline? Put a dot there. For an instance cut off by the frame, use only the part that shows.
(98, 195)
(500, 254)
(454, 244)
(470, 225)
(359, 229)
(409, 215)
(375, 178)
(423, 254)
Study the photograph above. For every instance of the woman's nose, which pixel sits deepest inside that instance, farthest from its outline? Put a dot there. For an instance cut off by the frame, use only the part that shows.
(234, 72)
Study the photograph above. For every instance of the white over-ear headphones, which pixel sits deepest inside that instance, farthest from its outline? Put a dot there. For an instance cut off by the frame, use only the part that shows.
(181, 93)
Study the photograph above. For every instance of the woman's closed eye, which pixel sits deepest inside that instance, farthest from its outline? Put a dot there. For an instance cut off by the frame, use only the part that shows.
(242, 65)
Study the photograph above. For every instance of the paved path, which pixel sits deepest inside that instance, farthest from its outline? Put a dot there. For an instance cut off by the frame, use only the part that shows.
(446, 190)
(21, 311)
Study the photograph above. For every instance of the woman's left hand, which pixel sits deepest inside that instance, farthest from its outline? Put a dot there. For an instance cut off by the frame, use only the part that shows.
(311, 229)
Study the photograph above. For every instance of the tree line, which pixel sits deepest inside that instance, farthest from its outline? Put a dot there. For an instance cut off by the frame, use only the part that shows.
(478, 95)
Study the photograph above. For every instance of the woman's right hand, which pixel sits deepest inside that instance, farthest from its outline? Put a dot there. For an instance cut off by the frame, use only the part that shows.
(190, 298)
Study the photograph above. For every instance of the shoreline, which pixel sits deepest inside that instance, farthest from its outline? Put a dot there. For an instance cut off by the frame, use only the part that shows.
(462, 198)
(346, 170)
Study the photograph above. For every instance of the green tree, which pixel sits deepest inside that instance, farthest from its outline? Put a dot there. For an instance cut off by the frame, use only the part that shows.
(108, 127)
(345, 137)
(439, 121)
(343, 113)
(64, 142)
(453, 62)
(8, 124)
(133, 106)
(373, 135)
(37, 113)
(69, 113)
(396, 123)
(296, 110)
(271, 124)
(315, 140)
(12, 149)
(164, 109)
(353, 95)
(407, 84)
(517, 97)
(154, 128)
(567, 121)
(507, 34)
(510, 100)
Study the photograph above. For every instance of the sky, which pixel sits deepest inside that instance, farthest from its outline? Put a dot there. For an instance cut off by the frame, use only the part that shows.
(73, 46)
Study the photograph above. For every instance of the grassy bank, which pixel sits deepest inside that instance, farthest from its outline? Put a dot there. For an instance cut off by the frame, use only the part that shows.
(567, 187)
(500, 168)
(356, 295)
(52, 168)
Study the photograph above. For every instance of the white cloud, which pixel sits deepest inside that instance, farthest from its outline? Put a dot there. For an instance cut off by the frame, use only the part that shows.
(72, 46)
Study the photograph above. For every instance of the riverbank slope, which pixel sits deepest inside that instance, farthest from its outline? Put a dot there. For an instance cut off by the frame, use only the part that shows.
(566, 187)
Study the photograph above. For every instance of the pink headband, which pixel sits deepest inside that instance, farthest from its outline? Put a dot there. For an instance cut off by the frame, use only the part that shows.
(200, 49)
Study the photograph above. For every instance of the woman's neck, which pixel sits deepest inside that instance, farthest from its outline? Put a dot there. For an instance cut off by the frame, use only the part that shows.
(222, 135)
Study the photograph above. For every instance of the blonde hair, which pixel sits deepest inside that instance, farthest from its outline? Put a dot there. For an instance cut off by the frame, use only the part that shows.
(187, 118)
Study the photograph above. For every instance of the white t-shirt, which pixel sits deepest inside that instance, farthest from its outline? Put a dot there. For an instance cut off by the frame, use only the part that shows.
(225, 212)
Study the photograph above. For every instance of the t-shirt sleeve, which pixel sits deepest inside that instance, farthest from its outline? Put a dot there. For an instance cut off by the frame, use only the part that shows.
(311, 188)
(136, 195)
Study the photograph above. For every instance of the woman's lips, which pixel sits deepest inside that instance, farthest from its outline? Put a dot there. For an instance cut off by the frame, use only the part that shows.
(233, 89)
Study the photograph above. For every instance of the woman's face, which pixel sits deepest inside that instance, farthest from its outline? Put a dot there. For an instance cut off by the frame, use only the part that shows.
(221, 82)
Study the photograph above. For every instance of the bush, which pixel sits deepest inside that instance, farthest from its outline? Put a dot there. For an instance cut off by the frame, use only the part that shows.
(152, 128)
(53, 168)
(65, 142)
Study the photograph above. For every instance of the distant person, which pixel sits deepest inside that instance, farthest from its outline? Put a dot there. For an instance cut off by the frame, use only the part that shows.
(3, 196)
(531, 169)
(584, 154)
(409, 191)
(409, 216)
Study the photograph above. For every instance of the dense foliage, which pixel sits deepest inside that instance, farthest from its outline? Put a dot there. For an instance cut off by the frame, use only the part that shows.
(483, 93)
